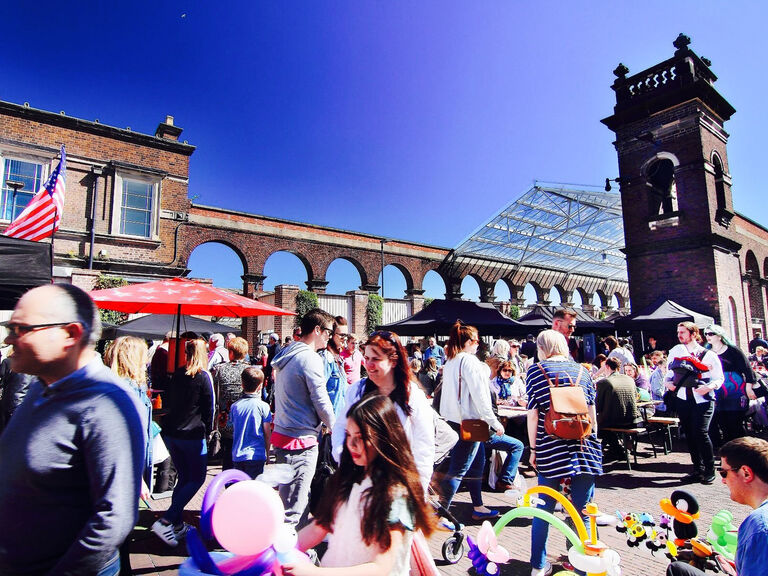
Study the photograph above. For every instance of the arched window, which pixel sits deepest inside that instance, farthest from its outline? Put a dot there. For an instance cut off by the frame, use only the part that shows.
(719, 185)
(662, 190)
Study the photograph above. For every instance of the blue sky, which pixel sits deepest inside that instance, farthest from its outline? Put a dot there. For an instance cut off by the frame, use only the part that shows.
(410, 120)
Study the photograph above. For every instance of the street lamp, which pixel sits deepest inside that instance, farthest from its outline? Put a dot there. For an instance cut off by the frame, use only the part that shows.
(383, 241)
(14, 185)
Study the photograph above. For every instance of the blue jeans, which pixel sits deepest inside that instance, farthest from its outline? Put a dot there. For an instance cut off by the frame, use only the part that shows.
(514, 449)
(467, 463)
(582, 491)
(190, 457)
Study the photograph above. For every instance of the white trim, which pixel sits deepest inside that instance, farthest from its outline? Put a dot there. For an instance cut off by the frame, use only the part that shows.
(117, 202)
(45, 162)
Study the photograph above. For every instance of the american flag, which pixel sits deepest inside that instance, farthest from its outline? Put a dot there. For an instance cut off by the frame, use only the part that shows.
(42, 215)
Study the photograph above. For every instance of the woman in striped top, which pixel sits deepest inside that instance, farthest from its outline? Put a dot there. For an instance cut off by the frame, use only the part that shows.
(556, 458)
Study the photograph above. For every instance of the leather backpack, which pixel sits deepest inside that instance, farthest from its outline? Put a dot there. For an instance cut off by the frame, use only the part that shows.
(568, 415)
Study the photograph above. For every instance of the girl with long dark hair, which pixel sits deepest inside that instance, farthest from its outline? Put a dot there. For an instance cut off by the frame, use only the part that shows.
(373, 503)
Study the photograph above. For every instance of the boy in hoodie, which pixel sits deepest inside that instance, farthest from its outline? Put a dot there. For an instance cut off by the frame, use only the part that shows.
(301, 406)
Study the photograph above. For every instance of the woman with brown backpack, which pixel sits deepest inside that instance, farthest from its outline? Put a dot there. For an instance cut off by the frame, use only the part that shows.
(562, 433)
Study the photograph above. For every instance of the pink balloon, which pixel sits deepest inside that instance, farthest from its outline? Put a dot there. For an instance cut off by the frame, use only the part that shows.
(246, 517)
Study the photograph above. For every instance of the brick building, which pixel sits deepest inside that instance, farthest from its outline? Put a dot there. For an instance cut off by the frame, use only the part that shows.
(683, 240)
(129, 188)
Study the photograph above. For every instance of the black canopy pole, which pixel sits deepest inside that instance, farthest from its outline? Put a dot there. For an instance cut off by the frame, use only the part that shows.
(178, 338)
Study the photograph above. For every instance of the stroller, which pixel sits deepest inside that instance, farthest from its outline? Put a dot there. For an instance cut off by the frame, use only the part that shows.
(445, 438)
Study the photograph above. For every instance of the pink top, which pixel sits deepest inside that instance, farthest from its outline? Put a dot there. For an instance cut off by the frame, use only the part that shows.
(352, 363)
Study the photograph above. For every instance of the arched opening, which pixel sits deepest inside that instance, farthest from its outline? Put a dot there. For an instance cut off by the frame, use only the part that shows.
(755, 291)
(394, 282)
(219, 262)
(578, 301)
(470, 289)
(530, 295)
(719, 183)
(555, 297)
(662, 189)
(285, 268)
(342, 276)
(433, 285)
(598, 299)
(615, 302)
(733, 321)
(619, 299)
(501, 291)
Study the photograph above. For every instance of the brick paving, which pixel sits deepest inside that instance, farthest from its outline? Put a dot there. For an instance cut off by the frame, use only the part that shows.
(638, 491)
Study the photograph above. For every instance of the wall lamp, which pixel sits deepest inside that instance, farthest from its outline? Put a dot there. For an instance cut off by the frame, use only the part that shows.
(618, 181)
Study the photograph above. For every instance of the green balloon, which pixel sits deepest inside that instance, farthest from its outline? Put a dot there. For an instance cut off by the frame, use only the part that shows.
(530, 512)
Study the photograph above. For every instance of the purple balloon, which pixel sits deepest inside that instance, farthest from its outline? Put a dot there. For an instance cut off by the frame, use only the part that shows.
(212, 493)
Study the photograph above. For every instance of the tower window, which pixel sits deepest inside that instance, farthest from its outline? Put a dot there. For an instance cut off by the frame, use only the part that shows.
(662, 190)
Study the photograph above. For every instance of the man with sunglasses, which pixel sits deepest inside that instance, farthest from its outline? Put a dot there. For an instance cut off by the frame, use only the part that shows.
(744, 470)
(73, 453)
(302, 405)
(564, 321)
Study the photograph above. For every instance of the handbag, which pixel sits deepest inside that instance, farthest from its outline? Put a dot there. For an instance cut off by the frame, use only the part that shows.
(472, 429)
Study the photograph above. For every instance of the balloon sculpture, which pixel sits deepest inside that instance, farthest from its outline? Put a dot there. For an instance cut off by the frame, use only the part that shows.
(677, 534)
(247, 520)
(587, 553)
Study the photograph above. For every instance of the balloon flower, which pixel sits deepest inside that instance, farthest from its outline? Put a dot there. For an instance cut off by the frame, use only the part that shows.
(247, 520)
(587, 554)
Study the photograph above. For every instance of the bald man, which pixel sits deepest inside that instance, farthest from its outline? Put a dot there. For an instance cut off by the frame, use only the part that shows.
(72, 455)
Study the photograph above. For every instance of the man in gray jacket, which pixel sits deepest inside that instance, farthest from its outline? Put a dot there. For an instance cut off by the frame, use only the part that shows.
(301, 406)
(72, 456)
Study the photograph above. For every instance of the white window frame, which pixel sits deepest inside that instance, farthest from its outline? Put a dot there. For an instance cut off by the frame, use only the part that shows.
(117, 202)
(30, 159)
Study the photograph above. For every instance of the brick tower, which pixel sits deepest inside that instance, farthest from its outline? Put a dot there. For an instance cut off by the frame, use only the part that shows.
(676, 187)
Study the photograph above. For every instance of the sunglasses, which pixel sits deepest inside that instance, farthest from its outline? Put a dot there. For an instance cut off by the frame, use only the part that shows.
(724, 471)
(390, 337)
(18, 330)
(709, 334)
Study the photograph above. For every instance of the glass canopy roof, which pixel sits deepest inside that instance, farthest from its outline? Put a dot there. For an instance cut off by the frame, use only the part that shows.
(555, 227)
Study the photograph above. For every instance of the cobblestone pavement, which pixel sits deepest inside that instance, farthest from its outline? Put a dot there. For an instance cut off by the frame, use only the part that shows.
(638, 491)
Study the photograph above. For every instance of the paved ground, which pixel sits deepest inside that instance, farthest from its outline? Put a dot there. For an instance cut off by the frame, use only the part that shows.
(637, 491)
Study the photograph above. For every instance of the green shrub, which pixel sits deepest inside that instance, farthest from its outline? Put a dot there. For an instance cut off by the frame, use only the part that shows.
(103, 283)
(514, 312)
(427, 302)
(305, 301)
(374, 312)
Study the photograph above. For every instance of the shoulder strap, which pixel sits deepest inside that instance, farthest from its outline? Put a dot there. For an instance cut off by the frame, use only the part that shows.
(459, 396)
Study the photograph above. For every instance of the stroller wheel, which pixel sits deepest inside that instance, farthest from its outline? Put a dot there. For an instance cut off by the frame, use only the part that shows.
(453, 548)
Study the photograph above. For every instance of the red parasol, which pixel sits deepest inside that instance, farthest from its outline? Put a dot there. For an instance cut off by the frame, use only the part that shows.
(182, 296)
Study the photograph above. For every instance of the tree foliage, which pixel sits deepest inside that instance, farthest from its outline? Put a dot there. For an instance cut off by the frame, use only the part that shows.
(427, 302)
(102, 283)
(514, 312)
(305, 301)
(374, 312)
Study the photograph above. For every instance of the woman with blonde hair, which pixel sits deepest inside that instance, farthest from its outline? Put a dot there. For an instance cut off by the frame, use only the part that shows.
(467, 395)
(186, 427)
(556, 458)
(127, 357)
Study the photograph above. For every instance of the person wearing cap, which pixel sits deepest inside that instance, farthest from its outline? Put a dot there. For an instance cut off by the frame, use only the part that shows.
(732, 398)
(514, 357)
(696, 405)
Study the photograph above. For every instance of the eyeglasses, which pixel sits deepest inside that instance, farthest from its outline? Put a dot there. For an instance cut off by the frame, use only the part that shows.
(724, 471)
(17, 330)
(342, 336)
(329, 330)
(709, 334)
(384, 334)
(571, 326)
(506, 370)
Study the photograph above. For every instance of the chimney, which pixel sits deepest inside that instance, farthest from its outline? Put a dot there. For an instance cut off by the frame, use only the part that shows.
(167, 130)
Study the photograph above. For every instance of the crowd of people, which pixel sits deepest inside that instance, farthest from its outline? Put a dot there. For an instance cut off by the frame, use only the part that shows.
(81, 438)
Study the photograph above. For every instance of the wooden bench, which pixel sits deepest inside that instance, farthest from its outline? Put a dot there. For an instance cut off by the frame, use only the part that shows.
(665, 425)
(628, 437)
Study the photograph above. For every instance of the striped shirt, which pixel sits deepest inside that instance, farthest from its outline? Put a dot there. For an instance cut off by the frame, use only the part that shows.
(557, 457)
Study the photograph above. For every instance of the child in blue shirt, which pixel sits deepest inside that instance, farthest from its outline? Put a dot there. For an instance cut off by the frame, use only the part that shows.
(252, 425)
